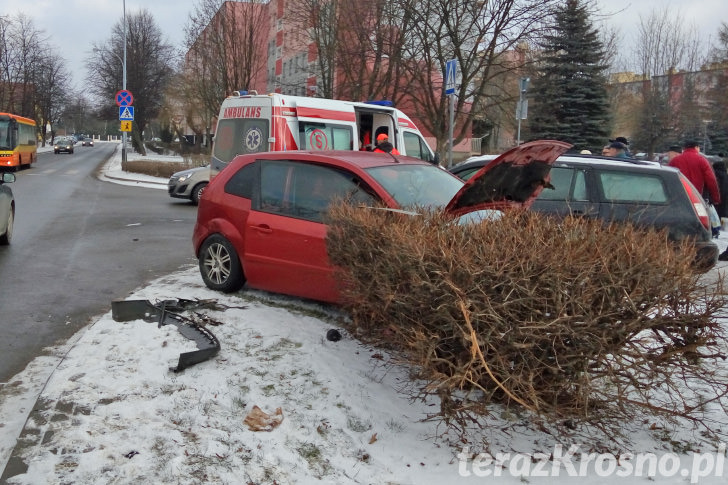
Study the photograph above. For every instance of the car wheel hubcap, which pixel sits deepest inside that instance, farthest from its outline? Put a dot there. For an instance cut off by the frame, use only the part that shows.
(217, 264)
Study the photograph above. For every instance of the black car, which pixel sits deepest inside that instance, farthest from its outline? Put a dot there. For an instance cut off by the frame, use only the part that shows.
(63, 145)
(645, 193)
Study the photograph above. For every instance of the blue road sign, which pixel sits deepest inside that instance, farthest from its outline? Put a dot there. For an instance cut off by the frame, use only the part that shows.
(124, 98)
(451, 68)
(126, 113)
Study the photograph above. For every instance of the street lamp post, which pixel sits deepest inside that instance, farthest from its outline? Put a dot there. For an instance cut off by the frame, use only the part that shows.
(123, 133)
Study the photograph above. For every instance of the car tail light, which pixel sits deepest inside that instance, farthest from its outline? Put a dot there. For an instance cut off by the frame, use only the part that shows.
(698, 203)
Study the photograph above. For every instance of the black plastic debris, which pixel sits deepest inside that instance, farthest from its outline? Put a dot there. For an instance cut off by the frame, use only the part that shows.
(333, 335)
(207, 344)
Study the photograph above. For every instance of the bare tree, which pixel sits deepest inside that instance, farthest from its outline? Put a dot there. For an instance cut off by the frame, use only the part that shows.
(481, 36)
(223, 41)
(149, 68)
(397, 50)
(717, 99)
(21, 54)
(316, 22)
(52, 87)
(664, 46)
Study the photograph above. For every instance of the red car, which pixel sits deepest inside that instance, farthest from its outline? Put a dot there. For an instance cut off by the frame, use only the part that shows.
(260, 220)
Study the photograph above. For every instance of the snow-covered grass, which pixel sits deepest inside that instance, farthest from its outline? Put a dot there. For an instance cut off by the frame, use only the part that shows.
(119, 415)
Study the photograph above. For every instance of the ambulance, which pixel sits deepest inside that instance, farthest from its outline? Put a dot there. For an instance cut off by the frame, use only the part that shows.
(251, 123)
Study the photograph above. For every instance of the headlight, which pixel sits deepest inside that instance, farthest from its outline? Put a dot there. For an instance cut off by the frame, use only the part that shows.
(184, 177)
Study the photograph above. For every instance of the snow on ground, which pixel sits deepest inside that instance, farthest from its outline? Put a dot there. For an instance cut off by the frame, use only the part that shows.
(114, 412)
(119, 415)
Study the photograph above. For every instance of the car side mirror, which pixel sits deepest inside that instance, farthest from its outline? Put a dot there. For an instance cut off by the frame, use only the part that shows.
(8, 178)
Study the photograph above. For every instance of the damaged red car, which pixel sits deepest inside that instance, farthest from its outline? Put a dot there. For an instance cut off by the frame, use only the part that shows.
(260, 220)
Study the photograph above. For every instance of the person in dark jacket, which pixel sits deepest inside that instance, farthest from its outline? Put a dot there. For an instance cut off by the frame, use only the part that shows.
(721, 176)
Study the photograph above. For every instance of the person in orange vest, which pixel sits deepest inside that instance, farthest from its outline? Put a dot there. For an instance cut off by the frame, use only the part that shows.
(383, 145)
(365, 144)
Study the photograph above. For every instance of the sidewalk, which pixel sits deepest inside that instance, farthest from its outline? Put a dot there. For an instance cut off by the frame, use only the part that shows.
(112, 171)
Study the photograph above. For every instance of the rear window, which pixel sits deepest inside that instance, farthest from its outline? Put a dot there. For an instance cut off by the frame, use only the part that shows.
(632, 187)
(238, 136)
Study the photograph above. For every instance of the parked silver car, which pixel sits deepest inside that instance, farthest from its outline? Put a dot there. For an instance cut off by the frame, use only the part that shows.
(7, 208)
(189, 184)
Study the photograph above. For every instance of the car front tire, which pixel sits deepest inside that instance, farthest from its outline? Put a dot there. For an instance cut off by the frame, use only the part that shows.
(220, 265)
(197, 192)
(5, 238)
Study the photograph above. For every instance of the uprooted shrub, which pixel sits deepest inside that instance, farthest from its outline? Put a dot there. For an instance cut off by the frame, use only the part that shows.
(566, 318)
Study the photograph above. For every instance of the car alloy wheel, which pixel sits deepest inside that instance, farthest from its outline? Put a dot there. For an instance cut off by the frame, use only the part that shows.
(220, 265)
(197, 192)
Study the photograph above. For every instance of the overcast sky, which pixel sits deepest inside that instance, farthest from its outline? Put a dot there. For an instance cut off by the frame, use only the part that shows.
(73, 25)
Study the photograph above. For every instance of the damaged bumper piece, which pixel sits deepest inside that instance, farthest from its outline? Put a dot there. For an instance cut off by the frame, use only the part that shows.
(163, 313)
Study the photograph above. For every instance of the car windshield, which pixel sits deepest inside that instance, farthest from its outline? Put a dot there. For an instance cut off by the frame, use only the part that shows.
(5, 143)
(417, 185)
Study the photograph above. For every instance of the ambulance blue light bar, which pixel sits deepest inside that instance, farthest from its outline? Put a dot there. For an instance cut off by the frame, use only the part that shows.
(382, 102)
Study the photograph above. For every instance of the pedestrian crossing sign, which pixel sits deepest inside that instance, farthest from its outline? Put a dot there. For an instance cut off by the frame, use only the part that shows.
(126, 113)
(126, 126)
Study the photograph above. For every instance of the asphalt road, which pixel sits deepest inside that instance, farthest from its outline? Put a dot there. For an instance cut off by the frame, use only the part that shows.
(78, 244)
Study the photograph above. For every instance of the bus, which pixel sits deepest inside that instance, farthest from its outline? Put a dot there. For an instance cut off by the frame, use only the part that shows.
(18, 145)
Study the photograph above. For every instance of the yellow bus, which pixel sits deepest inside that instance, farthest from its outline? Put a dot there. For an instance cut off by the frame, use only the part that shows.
(18, 145)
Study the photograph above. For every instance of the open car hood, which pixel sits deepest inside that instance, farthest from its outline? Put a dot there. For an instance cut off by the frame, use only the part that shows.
(514, 179)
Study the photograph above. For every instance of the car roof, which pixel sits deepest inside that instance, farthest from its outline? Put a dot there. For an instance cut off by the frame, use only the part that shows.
(597, 160)
(361, 159)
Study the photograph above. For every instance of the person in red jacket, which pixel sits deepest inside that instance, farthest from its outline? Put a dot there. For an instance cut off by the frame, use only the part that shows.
(383, 145)
(697, 169)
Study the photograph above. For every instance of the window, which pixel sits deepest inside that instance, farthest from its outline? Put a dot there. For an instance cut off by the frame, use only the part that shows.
(239, 136)
(315, 187)
(580, 192)
(415, 146)
(243, 182)
(304, 190)
(561, 178)
(632, 187)
(325, 136)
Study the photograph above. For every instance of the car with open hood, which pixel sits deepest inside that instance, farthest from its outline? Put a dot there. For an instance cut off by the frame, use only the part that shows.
(260, 221)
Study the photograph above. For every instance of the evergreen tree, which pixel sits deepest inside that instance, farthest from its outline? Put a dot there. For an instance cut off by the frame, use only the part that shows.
(569, 96)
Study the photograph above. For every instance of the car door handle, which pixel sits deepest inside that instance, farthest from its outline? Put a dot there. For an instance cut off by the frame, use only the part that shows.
(264, 228)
